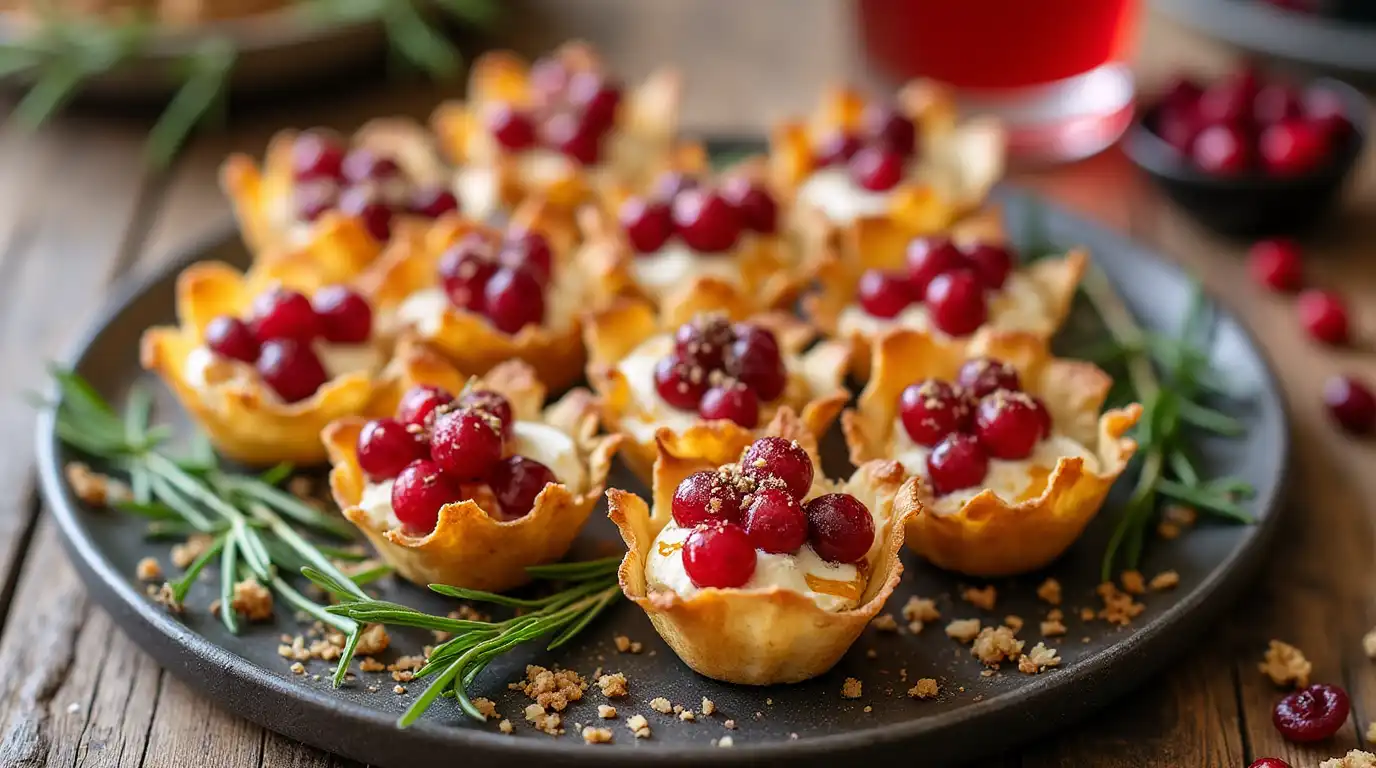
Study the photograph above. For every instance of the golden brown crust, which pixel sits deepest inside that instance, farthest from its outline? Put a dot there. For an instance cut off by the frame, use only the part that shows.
(988, 536)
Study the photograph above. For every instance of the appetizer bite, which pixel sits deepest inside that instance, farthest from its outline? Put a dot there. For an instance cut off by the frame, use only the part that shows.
(1016, 457)
(264, 360)
(468, 489)
(704, 361)
(753, 567)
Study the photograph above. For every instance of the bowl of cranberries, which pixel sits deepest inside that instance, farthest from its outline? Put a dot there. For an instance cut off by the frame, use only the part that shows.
(1251, 157)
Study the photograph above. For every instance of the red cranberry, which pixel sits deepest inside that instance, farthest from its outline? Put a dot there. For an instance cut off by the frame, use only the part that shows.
(418, 494)
(385, 447)
(280, 313)
(956, 302)
(345, 316)
(648, 224)
(1326, 109)
(1222, 150)
(680, 384)
(733, 402)
(364, 204)
(516, 481)
(490, 402)
(757, 209)
(291, 369)
(931, 410)
(706, 221)
(529, 251)
(884, 294)
(232, 338)
(703, 342)
(1276, 264)
(840, 527)
(992, 262)
(1043, 416)
(549, 78)
(1292, 148)
(775, 522)
(1269, 762)
(597, 97)
(981, 376)
(465, 270)
(876, 168)
(513, 299)
(362, 164)
(313, 200)
(836, 149)
(670, 184)
(1229, 101)
(719, 555)
(703, 497)
(1312, 714)
(782, 459)
(1324, 316)
(890, 128)
(466, 443)
(572, 136)
(1181, 93)
(1008, 425)
(433, 202)
(754, 360)
(1276, 102)
(1179, 128)
(511, 127)
(1351, 404)
(316, 156)
(418, 406)
(928, 257)
(957, 462)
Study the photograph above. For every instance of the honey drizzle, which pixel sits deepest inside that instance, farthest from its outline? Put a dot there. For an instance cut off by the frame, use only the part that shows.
(849, 590)
(667, 548)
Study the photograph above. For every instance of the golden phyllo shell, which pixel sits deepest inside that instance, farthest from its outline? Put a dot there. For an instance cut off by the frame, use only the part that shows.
(757, 636)
(493, 180)
(243, 417)
(469, 547)
(956, 163)
(632, 327)
(265, 200)
(989, 535)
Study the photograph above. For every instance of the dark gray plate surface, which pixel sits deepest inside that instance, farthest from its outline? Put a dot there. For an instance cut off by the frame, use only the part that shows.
(809, 722)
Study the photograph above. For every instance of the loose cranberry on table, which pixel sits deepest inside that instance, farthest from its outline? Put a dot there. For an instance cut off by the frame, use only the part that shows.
(291, 368)
(1269, 762)
(780, 459)
(1312, 714)
(1276, 264)
(703, 497)
(1324, 316)
(385, 447)
(720, 555)
(419, 492)
(775, 521)
(840, 528)
(516, 481)
(1351, 403)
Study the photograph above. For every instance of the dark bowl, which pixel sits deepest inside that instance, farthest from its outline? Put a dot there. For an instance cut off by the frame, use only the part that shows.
(1252, 205)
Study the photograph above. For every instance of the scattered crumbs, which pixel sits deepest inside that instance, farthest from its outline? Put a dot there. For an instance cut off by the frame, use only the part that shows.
(884, 622)
(726, 741)
(983, 599)
(851, 688)
(606, 712)
(1286, 665)
(487, 708)
(1354, 759)
(73, 708)
(1133, 583)
(1050, 591)
(148, 569)
(1164, 580)
(1369, 644)
(506, 727)
(371, 688)
(871, 653)
(297, 668)
(903, 674)
(964, 630)
(639, 726)
(1013, 622)
(626, 645)
(926, 688)
(708, 706)
(1168, 530)
(868, 709)
(769, 702)
(546, 722)
(1038, 659)
(687, 716)
(1053, 629)
(373, 640)
(613, 686)
(1086, 614)
(166, 598)
(593, 735)
(551, 689)
(1055, 614)
(759, 715)
(406, 664)
(399, 689)
(729, 725)
(1119, 607)
(986, 673)
(1085, 639)
(996, 644)
(94, 488)
(185, 553)
(918, 611)
(678, 708)
(370, 664)
(661, 705)
(252, 600)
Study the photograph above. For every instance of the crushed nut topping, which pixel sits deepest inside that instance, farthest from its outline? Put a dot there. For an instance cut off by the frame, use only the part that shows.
(708, 706)
(1164, 580)
(506, 727)
(148, 569)
(726, 741)
(613, 685)
(1013, 622)
(1119, 607)
(996, 644)
(1354, 759)
(370, 664)
(1053, 629)
(1050, 591)
(981, 598)
(926, 688)
(661, 705)
(626, 645)
(1286, 665)
(373, 640)
(964, 630)
(487, 708)
(546, 722)
(252, 600)
(851, 688)
(593, 735)
(606, 711)
(639, 726)
(1038, 659)
(94, 488)
(687, 716)
(884, 622)
(185, 553)
(1133, 583)
(551, 689)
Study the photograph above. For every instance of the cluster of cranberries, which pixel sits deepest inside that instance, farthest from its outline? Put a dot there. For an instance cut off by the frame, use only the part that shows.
(874, 156)
(1277, 264)
(951, 281)
(984, 415)
(1240, 125)
(572, 112)
(502, 279)
(722, 370)
(707, 220)
(758, 504)
(277, 338)
(439, 450)
(358, 182)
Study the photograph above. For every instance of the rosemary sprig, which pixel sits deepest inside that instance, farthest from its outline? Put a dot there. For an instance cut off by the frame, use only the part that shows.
(246, 515)
(589, 588)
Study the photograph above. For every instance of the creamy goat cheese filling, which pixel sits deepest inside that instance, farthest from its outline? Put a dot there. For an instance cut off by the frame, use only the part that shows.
(676, 264)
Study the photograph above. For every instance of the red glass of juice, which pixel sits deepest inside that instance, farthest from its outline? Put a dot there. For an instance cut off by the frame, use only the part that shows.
(1053, 70)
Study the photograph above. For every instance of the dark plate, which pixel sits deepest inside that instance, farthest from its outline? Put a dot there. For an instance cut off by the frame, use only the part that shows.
(809, 722)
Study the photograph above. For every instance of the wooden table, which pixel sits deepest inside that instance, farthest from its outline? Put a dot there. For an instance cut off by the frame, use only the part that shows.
(79, 209)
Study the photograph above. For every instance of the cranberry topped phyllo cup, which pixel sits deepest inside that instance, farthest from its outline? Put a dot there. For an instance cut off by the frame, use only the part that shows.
(753, 567)
(481, 295)
(263, 366)
(707, 361)
(470, 488)
(1016, 456)
(555, 129)
(865, 177)
(315, 184)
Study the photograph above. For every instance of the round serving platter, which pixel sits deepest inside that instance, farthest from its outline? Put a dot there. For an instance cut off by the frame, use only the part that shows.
(809, 722)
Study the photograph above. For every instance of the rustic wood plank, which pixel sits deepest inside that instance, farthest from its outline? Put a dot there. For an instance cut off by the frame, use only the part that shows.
(281, 752)
(115, 731)
(189, 729)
